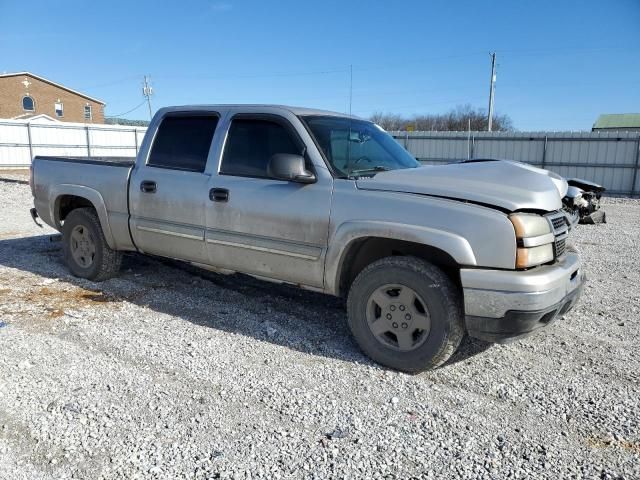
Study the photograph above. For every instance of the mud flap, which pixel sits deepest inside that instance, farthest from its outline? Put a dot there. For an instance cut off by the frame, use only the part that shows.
(34, 215)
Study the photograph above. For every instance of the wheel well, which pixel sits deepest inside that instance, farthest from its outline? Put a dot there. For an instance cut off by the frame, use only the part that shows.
(366, 251)
(67, 203)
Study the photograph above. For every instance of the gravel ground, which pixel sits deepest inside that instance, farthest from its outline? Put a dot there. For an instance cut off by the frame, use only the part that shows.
(173, 372)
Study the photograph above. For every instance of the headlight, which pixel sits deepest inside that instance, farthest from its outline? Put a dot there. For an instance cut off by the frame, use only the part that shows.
(529, 257)
(529, 225)
(535, 239)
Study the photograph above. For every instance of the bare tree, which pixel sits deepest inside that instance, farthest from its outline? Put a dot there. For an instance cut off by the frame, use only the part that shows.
(388, 121)
(457, 119)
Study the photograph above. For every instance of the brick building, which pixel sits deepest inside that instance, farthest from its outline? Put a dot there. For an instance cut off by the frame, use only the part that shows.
(24, 95)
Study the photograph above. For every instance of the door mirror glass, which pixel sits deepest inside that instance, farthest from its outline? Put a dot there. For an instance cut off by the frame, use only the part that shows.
(290, 167)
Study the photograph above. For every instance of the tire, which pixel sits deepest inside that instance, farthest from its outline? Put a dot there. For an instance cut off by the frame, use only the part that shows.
(435, 319)
(93, 260)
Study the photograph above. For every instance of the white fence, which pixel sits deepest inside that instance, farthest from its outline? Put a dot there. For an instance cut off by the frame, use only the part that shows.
(611, 159)
(21, 140)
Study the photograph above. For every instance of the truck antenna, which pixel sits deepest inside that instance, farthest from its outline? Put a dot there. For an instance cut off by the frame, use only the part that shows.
(492, 89)
(350, 87)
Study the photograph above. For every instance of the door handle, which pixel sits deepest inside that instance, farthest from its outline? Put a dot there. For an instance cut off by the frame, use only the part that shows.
(219, 195)
(148, 186)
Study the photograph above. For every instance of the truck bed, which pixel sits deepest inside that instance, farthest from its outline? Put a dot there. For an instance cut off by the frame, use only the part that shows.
(101, 180)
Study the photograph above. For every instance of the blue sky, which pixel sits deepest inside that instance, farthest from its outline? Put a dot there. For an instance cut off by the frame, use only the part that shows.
(560, 63)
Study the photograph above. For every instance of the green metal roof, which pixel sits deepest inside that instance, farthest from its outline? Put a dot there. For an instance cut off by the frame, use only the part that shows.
(618, 120)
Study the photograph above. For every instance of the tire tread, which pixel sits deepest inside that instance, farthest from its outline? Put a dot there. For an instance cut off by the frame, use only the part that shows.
(451, 297)
(110, 260)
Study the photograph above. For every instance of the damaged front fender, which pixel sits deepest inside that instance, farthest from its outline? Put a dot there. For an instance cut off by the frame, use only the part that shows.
(582, 202)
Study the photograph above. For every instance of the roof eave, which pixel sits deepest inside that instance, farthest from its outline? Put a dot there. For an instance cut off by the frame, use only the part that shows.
(46, 80)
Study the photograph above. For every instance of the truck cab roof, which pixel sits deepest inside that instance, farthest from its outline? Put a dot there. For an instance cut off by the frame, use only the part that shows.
(256, 108)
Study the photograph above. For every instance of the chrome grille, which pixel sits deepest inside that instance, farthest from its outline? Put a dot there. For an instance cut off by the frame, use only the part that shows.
(559, 247)
(560, 231)
(558, 223)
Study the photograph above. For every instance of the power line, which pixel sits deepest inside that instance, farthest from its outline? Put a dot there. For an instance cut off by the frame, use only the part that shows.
(563, 50)
(419, 60)
(513, 53)
(255, 75)
(111, 82)
(129, 111)
(427, 105)
(342, 69)
(535, 82)
(373, 92)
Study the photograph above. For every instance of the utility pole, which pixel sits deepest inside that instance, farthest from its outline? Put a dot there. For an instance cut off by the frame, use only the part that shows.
(492, 87)
(469, 140)
(147, 91)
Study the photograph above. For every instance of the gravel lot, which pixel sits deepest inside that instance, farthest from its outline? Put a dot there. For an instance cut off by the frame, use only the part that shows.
(173, 372)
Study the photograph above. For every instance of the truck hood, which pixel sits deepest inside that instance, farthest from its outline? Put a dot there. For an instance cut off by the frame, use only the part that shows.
(500, 183)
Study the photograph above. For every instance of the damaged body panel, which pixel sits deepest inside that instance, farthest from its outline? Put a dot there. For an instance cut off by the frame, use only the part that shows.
(510, 186)
(583, 201)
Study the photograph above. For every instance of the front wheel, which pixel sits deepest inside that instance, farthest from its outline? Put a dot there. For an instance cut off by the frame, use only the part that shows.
(85, 249)
(405, 313)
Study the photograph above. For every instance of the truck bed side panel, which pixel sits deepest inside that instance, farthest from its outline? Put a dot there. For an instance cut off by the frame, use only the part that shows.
(103, 182)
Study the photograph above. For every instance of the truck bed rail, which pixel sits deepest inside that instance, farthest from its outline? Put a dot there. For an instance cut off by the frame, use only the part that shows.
(109, 161)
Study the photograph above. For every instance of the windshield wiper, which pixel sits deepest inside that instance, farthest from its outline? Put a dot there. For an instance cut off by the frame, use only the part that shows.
(374, 170)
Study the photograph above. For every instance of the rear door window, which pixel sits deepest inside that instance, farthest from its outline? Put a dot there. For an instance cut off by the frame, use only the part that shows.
(182, 142)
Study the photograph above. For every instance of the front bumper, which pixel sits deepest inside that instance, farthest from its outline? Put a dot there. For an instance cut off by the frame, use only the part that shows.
(502, 305)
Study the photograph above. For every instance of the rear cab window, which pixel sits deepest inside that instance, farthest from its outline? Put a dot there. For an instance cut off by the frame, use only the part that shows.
(182, 142)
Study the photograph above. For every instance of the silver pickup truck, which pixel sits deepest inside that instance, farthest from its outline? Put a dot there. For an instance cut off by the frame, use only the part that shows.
(328, 202)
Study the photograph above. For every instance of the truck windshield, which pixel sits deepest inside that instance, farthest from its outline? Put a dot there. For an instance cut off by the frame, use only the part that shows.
(356, 147)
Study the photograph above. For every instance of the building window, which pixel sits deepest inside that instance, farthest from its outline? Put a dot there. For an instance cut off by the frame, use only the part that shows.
(28, 104)
(87, 112)
(59, 109)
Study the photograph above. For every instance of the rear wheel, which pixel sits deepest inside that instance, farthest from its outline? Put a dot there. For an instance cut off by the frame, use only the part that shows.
(406, 313)
(85, 249)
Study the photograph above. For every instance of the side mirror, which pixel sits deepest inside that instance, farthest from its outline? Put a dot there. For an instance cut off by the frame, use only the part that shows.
(286, 166)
